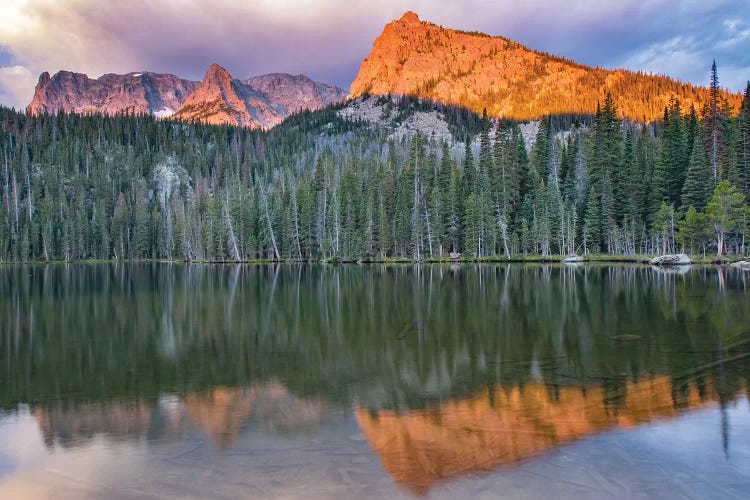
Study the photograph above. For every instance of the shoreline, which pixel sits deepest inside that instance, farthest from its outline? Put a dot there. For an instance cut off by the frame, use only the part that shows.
(520, 259)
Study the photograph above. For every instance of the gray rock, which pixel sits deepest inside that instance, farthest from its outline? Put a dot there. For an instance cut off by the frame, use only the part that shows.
(679, 259)
(573, 259)
(743, 265)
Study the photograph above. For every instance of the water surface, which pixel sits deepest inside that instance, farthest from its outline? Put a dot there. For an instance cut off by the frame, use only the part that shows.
(158, 380)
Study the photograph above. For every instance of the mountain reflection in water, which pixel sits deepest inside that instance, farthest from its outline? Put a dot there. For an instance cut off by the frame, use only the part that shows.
(446, 372)
(220, 413)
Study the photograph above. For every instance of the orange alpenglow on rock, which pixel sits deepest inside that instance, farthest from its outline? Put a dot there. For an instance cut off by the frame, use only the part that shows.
(480, 72)
(260, 102)
(222, 100)
(505, 426)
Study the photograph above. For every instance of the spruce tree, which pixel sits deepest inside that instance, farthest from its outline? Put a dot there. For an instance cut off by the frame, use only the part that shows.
(674, 151)
(592, 223)
(714, 127)
(743, 142)
(694, 230)
(696, 188)
(726, 212)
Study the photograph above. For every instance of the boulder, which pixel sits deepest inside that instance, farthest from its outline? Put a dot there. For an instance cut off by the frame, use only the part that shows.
(672, 270)
(679, 259)
(743, 265)
(455, 255)
(573, 259)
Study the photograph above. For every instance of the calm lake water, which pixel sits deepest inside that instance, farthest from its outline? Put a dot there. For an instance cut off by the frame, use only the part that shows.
(201, 381)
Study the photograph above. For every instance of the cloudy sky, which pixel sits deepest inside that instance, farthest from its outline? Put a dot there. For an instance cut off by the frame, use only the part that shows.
(327, 39)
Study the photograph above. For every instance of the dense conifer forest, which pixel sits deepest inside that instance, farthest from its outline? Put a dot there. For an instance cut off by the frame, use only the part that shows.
(319, 187)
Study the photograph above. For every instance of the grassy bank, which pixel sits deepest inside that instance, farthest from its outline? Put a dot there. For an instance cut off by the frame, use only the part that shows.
(500, 259)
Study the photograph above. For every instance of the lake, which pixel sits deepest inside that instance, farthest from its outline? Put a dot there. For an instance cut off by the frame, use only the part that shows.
(128, 380)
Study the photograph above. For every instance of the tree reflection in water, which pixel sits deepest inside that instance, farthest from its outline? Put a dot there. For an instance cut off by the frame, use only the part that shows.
(448, 369)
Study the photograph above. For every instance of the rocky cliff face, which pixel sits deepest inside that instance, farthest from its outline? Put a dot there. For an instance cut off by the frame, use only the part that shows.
(223, 100)
(509, 80)
(296, 92)
(261, 101)
(159, 94)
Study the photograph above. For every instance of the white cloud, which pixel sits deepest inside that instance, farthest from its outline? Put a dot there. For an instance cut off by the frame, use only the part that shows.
(16, 86)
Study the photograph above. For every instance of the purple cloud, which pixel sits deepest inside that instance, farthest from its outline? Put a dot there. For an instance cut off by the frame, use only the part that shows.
(327, 39)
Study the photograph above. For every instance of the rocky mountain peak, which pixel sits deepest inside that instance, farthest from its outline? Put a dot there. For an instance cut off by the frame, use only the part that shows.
(258, 102)
(146, 93)
(44, 79)
(409, 17)
(218, 76)
(479, 71)
(261, 101)
(216, 101)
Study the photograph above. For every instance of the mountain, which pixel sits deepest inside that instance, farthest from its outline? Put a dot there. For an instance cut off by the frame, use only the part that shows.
(223, 100)
(505, 425)
(296, 92)
(159, 94)
(479, 71)
(261, 101)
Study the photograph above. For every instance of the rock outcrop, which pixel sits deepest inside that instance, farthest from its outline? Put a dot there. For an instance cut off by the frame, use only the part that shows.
(573, 259)
(261, 101)
(155, 93)
(679, 259)
(480, 72)
(296, 92)
(223, 100)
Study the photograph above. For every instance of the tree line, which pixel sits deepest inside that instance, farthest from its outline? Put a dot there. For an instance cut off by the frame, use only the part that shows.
(320, 187)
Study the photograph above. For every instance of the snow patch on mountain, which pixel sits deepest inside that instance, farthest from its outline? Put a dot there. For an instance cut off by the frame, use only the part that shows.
(165, 112)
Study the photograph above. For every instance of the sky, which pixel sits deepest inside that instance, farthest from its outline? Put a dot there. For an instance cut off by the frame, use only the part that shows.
(327, 39)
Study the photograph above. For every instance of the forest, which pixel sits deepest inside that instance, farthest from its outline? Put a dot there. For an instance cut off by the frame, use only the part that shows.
(322, 188)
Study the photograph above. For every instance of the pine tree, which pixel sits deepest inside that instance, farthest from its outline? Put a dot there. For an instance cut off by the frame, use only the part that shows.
(726, 213)
(714, 126)
(592, 223)
(540, 153)
(485, 148)
(469, 170)
(743, 142)
(674, 151)
(698, 179)
(694, 230)
(663, 229)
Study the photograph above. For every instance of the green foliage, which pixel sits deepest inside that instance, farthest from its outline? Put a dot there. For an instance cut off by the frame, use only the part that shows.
(320, 187)
(694, 231)
(696, 188)
(727, 213)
